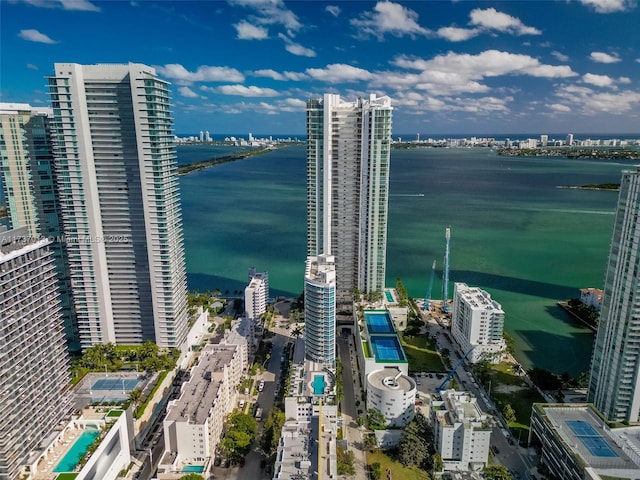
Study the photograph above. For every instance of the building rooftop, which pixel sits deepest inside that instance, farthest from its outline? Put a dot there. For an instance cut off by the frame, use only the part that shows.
(392, 379)
(201, 391)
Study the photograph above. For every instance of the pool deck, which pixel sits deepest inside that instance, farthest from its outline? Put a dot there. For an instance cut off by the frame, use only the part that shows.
(55, 453)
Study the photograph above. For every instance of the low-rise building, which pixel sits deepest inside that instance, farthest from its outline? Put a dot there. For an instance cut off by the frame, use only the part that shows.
(194, 422)
(393, 394)
(477, 324)
(591, 297)
(461, 431)
(578, 444)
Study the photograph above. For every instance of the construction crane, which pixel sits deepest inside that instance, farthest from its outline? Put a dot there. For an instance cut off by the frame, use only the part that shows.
(453, 372)
(445, 272)
(427, 298)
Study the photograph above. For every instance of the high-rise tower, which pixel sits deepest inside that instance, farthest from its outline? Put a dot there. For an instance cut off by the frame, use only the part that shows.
(29, 178)
(34, 395)
(614, 386)
(119, 196)
(320, 310)
(348, 152)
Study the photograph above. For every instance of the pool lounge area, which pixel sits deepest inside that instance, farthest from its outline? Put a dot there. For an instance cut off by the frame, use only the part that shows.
(78, 449)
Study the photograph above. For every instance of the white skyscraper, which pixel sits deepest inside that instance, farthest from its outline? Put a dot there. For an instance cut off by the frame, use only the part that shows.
(614, 386)
(256, 294)
(477, 323)
(120, 202)
(348, 151)
(320, 309)
(34, 394)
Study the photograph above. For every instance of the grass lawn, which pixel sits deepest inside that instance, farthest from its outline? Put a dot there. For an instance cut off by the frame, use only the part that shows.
(66, 476)
(520, 400)
(397, 470)
(421, 354)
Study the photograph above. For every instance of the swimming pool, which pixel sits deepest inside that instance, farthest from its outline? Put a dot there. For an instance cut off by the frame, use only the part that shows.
(379, 322)
(318, 384)
(387, 348)
(193, 469)
(79, 448)
(389, 296)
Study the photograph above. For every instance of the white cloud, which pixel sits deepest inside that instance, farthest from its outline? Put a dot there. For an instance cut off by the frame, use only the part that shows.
(204, 73)
(271, 12)
(82, 5)
(247, 31)
(602, 57)
(295, 48)
(455, 34)
(293, 105)
(244, 91)
(187, 92)
(558, 107)
(339, 72)
(598, 80)
(389, 17)
(625, 80)
(31, 66)
(560, 56)
(270, 73)
(589, 102)
(491, 19)
(333, 10)
(609, 6)
(33, 35)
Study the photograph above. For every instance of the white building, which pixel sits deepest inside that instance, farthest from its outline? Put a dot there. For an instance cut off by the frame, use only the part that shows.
(461, 431)
(578, 444)
(477, 323)
(120, 203)
(34, 393)
(348, 152)
(320, 310)
(614, 387)
(256, 294)
(194, 422)
(592, 297)
(544, 140)
(393, 394)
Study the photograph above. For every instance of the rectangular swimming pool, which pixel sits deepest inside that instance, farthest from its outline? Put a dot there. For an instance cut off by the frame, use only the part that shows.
(193, 469)
(389, 296)
(379, 322)
(78, 450)
(387, 348)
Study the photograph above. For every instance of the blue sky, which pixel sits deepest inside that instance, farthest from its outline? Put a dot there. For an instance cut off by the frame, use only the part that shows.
(456, 67)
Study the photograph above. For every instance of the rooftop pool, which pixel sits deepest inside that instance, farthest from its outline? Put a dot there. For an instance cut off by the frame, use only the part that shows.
(72, 458)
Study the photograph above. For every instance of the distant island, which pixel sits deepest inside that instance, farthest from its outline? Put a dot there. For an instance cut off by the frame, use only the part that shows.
(212, 162)
(614, 187)
(565, 152)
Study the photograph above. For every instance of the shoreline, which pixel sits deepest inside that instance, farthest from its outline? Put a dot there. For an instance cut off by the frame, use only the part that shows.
(187, 168)
(565, 307)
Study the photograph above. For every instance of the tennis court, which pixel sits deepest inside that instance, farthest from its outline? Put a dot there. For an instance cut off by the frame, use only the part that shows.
(591, 439)
(379, 322)
(126, 384)
(387, 348)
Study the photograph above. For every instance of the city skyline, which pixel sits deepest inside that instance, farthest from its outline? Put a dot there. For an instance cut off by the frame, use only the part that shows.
(459, 67)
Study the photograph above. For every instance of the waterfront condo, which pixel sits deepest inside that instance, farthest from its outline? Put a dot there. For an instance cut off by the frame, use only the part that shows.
(348, 151)
(119, 197)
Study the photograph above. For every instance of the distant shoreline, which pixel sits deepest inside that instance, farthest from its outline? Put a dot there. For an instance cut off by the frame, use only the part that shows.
(188, 168)
(611, 187)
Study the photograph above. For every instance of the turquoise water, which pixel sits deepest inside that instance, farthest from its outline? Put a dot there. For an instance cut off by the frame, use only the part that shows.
(389, 297)
(513, 233)
(193, 469)
(79, 448)
(318, 384)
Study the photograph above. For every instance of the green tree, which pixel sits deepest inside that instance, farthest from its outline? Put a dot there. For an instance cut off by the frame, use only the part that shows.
(192, 476)
(544, 379)
(509, 413)
(375, 471)
(345, 460)
(416, 444)
(496, 472)
(375, 420)
(438, 464)
(135, 396)
(272, 430)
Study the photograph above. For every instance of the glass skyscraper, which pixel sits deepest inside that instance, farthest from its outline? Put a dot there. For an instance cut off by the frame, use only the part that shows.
(614, 386)
(348, 152)
(320, 310)
(118, 189)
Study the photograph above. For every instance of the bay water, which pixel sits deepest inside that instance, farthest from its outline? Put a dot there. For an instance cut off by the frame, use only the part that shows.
(514, 233)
